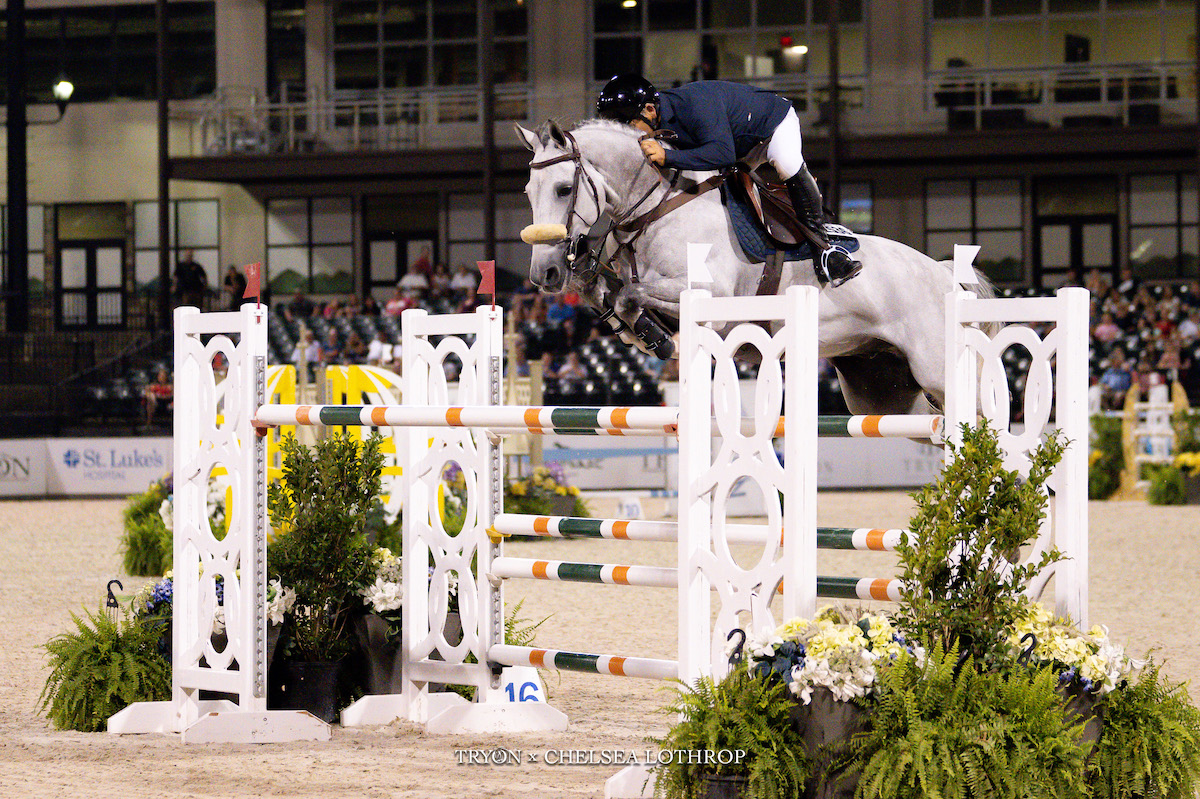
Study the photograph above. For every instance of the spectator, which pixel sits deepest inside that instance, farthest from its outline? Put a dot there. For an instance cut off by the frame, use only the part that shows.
(1096, 283)
(333, 309)
(439, 280)
(370, 307)
(414, 281)
(559, 311)
(464, 279)
(572, 369)
(1107, 331)
(300, 306)
(307, 353)
(380, 350)
(355, 351)
(235, 287)
(161, 390)
(468, 304)
(1128, 284)
(424, 263)
(1116, 381)
(191, 281)
(1189, 328)
(400, 302)
(331, 349)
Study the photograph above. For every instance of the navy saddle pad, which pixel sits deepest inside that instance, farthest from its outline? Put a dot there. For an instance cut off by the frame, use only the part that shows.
(758, 247)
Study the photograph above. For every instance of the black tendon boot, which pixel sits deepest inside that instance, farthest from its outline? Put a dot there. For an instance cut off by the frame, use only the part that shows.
(833, 265)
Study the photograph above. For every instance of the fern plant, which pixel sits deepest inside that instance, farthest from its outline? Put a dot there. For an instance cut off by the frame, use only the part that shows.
(959, 733)
(101, 667)
(1150, 746)
(740, 713)
(960, 589)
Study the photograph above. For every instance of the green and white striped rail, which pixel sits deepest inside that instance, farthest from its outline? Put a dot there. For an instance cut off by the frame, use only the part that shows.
(529, 419)
(880, 588)
(569, 572)
(541, 420)
(507, 524)
(615, 665)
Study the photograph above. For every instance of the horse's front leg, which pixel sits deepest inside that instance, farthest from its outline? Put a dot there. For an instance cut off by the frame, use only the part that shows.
(632, 302)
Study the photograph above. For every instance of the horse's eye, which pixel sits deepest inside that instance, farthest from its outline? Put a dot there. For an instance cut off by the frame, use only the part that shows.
(563, 191)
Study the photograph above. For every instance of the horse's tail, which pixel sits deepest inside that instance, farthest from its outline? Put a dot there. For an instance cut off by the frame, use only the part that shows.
(985, 291)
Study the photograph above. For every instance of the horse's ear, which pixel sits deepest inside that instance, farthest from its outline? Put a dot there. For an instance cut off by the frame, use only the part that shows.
(527, 137)
(551, 132)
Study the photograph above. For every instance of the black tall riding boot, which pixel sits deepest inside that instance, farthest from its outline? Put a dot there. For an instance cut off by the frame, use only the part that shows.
(833, 265)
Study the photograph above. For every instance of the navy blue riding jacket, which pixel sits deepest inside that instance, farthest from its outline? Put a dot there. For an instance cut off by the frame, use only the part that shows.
(717, 122)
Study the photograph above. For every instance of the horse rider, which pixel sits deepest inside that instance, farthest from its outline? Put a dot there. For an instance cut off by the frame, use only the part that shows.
(716, 123)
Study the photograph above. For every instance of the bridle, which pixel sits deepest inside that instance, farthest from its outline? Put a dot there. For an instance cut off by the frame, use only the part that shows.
(580, 246)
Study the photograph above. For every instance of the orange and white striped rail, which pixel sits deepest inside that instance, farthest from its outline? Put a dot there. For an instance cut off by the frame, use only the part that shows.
(529, 419)
(617, 666)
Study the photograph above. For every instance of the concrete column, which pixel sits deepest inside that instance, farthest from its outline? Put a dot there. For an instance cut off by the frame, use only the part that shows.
(318, 50)
(242, 45)
(558, 29)
(896, 57)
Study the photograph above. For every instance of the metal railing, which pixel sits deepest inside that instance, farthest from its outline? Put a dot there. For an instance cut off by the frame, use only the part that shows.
(1121, 93)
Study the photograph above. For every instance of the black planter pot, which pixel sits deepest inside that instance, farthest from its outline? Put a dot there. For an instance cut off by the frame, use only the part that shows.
(381, 657)
(716, 787)
(1083, 706)
(827, 726)
(312, 687)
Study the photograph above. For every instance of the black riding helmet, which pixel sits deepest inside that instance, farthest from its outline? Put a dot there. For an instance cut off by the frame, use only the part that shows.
(624, 98)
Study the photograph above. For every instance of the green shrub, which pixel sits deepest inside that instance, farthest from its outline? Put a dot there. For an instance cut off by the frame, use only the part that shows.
(960, 589)
(1107, 458)
(1151, 742)
(147, 544)
(100, 668)
(1166, 485)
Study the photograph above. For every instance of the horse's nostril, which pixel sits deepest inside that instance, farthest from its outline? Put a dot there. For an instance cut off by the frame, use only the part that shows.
(552, 275)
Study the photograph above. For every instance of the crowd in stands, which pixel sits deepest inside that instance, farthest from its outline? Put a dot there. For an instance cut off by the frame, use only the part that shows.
(1142, 335)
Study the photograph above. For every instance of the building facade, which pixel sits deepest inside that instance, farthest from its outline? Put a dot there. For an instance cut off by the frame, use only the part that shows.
(340, 141)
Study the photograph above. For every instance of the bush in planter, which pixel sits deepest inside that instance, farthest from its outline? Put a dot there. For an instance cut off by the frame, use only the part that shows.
(961, 590)
(101, 667)
(546, 492)
(738, 713)
(944, 728)
(320, 509)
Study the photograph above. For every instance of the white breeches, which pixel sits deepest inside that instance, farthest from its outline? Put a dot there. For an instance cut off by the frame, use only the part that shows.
(784, 147)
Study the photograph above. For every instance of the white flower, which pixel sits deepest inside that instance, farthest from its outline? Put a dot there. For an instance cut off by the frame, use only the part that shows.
(279, 601)
(167, 511)
(384, 595)
(760, 645)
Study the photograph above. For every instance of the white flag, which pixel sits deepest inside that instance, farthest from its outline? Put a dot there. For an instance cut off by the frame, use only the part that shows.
(964, 256)
(697, 269)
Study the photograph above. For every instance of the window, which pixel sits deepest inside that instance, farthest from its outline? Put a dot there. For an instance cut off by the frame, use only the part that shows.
(108, 52)
(983, 212)
(36, 248)
(1030, 33)
(680, 40)
(1163, 226)
(193, 225)
(285, 46)
(398, 44)
(310, 245)
(858, 207)
(466, 243)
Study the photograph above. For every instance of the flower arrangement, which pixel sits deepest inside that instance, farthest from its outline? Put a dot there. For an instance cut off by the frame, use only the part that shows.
(1188, 462)
(834, 650)
(384, 593)
(1089, 661)
(546, 492)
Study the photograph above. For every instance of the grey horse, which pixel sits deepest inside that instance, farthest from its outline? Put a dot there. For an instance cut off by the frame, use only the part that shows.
(884, 331)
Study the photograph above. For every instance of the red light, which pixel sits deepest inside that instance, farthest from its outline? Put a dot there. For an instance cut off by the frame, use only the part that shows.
(785, 41)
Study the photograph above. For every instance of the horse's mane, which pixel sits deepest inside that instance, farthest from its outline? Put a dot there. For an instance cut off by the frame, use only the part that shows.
(606, 125)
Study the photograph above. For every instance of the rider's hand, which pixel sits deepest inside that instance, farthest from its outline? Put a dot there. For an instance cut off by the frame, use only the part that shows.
(654, 152)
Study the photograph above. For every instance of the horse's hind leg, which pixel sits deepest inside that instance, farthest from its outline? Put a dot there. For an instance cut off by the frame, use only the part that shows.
(880, 383)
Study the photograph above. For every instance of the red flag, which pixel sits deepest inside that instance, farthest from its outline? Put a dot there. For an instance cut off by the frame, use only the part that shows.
(487, 279)
(253, 282)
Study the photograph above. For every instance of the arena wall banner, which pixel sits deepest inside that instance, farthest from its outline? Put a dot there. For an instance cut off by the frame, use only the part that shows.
(22, 468)
(105, 466)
